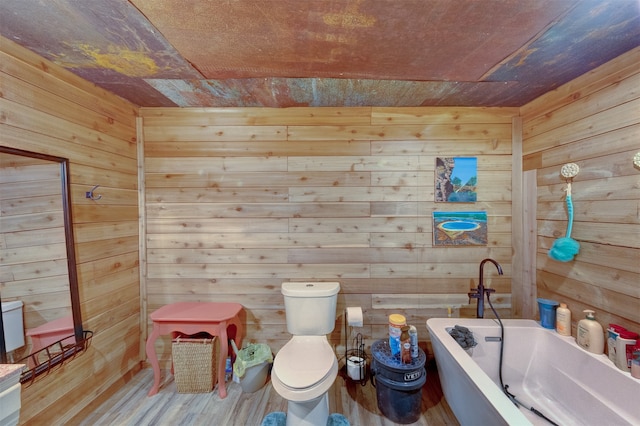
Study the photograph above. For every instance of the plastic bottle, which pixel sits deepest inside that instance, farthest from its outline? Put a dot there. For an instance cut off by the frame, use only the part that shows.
(396, 322)
(413, 335)
(563, 320)
(590, 335)
(405, 345)
(228, 370)
(624, 347)
(612, 335)
(635, 362)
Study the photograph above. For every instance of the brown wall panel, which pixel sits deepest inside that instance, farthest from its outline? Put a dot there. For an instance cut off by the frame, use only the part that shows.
(51, 111)
(318, 200)
(593, 122)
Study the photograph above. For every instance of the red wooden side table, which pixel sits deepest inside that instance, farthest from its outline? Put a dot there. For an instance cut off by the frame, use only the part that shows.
(192, 318)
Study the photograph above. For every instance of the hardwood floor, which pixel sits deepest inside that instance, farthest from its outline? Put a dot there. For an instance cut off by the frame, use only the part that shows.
(131, 406)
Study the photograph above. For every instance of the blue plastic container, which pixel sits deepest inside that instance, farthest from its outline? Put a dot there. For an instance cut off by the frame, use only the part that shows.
(547, 310)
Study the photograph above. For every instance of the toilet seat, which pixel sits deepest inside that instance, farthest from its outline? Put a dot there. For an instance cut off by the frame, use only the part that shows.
(304, 368)
(304, 361)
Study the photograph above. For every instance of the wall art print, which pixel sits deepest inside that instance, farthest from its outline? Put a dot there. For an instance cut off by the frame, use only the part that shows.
(456, 179)
(460, 228)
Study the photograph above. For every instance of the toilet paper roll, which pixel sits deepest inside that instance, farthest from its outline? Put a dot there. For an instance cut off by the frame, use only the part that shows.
(356, 365)
(354, 316)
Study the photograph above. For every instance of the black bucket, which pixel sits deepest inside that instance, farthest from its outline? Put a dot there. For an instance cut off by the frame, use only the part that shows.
(398, 385)
(400, 401)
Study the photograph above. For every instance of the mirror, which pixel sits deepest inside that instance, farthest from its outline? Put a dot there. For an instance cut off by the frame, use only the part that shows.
(38, 265)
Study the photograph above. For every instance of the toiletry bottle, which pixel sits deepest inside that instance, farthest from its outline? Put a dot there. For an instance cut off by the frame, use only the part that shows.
(228, 370)
(612, 335)
(413, 335)
(563, 320)
(590, 335)
(624, 347)
(396, 322)
(635, 362)
(405, 345)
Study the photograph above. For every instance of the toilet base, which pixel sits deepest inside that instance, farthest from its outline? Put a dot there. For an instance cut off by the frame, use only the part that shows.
(308, 413)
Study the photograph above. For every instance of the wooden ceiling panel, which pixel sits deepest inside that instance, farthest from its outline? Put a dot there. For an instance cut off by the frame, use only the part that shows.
(379, 39)
(281, 53)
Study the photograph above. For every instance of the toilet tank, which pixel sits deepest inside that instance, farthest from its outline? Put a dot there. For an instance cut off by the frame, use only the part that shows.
(310, 308)
(12, 325)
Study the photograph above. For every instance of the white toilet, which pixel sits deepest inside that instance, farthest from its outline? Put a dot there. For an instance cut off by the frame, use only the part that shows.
(306, 367)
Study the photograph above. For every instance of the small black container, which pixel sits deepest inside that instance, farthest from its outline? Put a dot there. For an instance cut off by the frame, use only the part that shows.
(398, 385)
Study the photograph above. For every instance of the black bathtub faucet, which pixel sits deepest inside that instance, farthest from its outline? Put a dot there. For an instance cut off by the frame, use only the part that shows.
(478, 293)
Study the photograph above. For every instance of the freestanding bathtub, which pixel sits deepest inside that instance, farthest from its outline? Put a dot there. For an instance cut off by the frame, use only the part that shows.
(542, 369)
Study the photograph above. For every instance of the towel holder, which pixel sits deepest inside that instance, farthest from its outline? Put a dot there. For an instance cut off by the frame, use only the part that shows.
(91, 195)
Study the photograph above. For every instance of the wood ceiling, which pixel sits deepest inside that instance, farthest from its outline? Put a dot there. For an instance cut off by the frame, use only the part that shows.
(282, 53)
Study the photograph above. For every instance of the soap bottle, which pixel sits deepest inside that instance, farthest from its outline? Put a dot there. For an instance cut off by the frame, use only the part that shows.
(590, 335)
(413, 335)
(405, 345)
(563, 320)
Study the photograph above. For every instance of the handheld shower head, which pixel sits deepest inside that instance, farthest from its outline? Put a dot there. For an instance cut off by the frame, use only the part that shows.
(569, 170)
(564, 249)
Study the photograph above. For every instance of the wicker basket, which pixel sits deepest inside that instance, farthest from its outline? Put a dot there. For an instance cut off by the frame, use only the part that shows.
(194, 363)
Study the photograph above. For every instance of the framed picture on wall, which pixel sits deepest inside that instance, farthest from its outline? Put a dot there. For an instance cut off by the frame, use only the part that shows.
(456, 179)
(460, 228)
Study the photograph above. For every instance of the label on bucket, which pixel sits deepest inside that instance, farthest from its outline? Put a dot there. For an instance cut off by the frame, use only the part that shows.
(414, 375)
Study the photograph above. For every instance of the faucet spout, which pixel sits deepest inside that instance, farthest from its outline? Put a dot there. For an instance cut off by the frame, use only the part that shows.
(479, 292)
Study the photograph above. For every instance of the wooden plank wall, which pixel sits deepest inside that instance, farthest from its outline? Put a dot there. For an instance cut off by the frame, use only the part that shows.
(593, 121)
(32, 241)
(46, 109)
(240, 200)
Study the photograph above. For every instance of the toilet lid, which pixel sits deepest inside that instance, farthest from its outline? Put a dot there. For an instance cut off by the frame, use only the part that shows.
(304, 361)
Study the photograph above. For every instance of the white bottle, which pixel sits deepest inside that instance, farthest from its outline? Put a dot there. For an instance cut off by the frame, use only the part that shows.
(612, 334)
(563, 320)
(624, 348)
(413, 335)
(590, 335)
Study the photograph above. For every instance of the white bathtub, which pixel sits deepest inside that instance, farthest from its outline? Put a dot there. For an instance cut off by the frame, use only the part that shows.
(543, 369)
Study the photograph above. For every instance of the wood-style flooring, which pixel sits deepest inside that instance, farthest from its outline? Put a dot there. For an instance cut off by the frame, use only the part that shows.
(131, 406)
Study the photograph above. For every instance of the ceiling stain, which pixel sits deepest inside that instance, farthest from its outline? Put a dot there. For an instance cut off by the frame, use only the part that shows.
(350, 19)
(523, 55)
(122, 60)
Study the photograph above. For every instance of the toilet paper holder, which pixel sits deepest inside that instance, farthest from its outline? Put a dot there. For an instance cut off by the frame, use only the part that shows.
(355, 358)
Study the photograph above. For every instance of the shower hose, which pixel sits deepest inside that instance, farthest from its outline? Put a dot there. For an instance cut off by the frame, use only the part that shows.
(505, 388)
